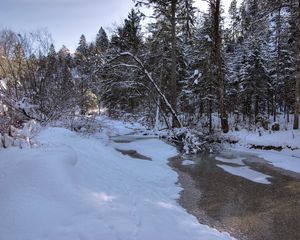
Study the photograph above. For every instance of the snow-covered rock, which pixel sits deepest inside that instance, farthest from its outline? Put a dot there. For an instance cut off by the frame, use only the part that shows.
(21, 138)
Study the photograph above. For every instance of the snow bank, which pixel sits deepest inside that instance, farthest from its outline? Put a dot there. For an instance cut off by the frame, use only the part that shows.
(75, 187)
(284, 139)
(288, 158)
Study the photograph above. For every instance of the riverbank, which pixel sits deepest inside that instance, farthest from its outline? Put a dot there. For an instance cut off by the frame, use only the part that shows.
(281, 148)
(76, 186)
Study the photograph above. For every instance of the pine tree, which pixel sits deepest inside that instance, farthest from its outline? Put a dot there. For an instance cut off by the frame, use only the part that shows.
(297, 90)
(234, 21)
(122, 84)
(102, 42)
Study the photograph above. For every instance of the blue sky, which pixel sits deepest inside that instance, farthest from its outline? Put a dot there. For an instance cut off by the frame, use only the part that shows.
(66, 20)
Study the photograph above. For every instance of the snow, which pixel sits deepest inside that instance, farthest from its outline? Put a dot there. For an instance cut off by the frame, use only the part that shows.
(208, 38)
(78, 187)
(246, 172)
(187, 162)
(3, 84)
(288, 158)
(25, 105)
(290, 163)
(290, 138)
(285, 159)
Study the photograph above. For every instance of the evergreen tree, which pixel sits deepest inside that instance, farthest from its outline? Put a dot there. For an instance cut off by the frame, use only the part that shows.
(102, 42)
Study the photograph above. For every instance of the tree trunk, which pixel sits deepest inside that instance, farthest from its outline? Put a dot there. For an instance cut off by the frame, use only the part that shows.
(157, 122)
(217, 61)
(278, 68)
(154, 84)
(297, 90)
(173, 84)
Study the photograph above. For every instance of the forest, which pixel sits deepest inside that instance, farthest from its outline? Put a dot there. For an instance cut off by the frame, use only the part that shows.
(202, 71)
(178, 123)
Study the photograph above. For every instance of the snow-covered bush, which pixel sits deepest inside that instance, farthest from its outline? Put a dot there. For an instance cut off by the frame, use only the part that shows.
(22, 138)
(81, 123)
(25, 106)
(192, 142)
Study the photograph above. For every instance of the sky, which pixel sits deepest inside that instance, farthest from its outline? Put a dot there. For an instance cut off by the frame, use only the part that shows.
(66, 20)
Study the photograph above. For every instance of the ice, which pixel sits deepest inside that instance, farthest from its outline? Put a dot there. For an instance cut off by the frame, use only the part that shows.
(247, 173)
(238, 161)
(187, 162)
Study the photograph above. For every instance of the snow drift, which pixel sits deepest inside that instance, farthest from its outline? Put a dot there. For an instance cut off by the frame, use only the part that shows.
(75, 187)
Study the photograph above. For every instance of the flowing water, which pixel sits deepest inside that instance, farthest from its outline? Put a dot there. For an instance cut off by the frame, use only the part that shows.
(246, 209)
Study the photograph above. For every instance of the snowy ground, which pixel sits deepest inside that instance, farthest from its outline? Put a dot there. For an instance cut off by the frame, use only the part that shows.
(288, 158)
(75, 187)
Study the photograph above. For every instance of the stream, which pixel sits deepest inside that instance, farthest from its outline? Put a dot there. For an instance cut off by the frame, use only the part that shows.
(238, 193)
(245, 208)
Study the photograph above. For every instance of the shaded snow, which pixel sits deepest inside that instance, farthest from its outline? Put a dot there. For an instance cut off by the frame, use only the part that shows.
(75, 187)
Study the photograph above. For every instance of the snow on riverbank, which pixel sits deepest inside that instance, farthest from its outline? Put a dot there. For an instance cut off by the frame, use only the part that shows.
(284, 139)
(75, 187)
(288, 158)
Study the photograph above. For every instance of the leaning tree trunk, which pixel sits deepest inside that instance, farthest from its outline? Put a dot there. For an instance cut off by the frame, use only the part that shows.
(297, 90)
(148, 75)
(217, 61)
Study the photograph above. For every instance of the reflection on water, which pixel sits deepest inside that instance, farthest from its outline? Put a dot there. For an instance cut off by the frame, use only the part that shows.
(246, 209)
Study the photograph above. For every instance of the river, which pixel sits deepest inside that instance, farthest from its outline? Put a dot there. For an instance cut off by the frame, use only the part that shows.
(264, 206)
(244, 208)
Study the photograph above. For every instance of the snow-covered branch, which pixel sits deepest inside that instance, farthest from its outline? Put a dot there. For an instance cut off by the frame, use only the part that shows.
(151, 80)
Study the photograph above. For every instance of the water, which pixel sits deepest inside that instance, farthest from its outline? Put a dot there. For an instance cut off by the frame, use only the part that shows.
(246, 209)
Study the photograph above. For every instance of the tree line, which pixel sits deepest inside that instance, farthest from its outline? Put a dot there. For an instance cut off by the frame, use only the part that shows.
(185, 68)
